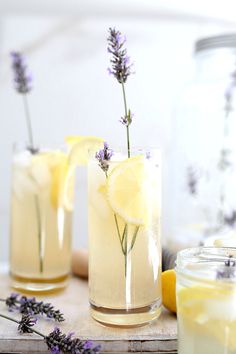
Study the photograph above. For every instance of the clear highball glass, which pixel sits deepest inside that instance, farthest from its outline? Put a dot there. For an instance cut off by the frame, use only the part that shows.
(41, 215)
(124, 238)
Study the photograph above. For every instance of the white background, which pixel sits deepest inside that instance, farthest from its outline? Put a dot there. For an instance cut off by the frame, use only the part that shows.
(65, 43)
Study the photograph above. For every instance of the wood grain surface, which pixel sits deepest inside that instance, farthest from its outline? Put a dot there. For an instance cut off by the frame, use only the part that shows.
(157, 337)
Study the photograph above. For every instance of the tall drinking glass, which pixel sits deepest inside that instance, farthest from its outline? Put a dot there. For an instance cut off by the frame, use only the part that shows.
(41, 213)
(124, 238)
(206, 301)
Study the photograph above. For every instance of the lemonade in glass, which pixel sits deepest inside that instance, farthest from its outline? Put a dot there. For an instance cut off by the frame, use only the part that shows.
(206, 301)
(41, 213)
(124, 238)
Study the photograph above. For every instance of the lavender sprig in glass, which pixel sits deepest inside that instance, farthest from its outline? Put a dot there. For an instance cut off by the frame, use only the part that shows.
(103, 156)
(120, 69)
(23, 85)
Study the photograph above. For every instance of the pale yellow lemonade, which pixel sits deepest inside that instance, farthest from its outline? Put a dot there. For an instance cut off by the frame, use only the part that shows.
(206, 308)
(124, 240)
(41, 209)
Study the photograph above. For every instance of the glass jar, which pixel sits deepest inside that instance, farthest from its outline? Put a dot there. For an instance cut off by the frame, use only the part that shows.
(124, 238)
(41, 213)
(206, 308)
(204, 158)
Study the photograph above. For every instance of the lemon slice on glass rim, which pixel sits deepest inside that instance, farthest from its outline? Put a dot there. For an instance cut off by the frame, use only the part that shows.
(80, 150)
(82, 147)
(129, 190)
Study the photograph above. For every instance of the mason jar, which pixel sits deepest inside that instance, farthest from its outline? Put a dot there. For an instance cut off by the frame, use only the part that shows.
(206, 308)
(204, 152)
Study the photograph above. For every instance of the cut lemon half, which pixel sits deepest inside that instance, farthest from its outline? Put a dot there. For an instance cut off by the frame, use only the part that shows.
(82, 147)
(168, 281)
(129, 190)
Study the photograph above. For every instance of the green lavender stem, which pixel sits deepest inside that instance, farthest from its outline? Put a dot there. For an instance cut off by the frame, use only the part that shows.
(38, 217)
(126, 115)
(13, 320)
(36, 200)
(28, 120)
(118, 232)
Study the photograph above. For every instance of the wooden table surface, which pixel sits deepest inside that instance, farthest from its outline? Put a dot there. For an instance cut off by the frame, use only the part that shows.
(158, 337)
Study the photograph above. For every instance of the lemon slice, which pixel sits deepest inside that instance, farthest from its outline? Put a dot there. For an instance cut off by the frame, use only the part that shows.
(52, 169)
(68, 190)
(129, 190)
(209, 311)
(59, 174)
(82, 147)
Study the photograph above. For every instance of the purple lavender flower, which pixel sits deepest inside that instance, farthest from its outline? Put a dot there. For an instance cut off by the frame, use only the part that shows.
(103, 156)
(192, 180)
(127, 120)
(12, 301)
(55, 350)
(59, 342)
(120, 62)
(22, 78)
(228, 271)
(25, 323)
(30, 306)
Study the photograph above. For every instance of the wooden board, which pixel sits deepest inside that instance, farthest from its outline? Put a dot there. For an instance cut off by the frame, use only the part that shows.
(158, 337)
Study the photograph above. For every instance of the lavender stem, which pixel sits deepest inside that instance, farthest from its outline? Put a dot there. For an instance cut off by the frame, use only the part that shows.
(37, 209)
(13, 320)
(126, 115)
(28, 120)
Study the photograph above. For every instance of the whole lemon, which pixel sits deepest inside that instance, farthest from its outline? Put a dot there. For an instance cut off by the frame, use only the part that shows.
(168, 279)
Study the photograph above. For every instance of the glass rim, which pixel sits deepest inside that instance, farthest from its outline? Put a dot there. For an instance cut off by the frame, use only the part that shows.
(18, 146)
(211, 261)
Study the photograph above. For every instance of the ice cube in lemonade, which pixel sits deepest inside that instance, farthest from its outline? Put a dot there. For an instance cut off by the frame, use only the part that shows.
(41, 207)
(206, 310)
(124, 241)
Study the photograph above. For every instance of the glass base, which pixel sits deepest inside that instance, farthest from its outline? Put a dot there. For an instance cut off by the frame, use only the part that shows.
(126, 318)
(39, 286)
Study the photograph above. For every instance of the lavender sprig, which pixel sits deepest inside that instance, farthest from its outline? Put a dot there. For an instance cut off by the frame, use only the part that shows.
(23, 85)
(23, 81)
(103, 156)
(59, 342)
(22, 78)
(29, 306)
(229, 270)
(120, 62)
(26, 323)
(120, 69)
(56, 341)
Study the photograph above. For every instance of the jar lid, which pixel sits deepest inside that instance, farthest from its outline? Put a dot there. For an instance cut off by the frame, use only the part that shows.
(220, 41)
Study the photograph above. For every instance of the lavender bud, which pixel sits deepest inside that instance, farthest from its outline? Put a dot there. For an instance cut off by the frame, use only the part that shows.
(120, 62)
(103, 156)
(22, 78)
(25, 323)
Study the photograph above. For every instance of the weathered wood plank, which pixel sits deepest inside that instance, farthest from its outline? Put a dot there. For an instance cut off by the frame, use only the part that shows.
(158, 337)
